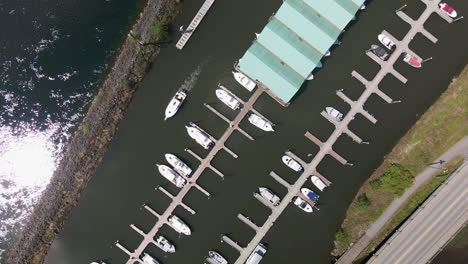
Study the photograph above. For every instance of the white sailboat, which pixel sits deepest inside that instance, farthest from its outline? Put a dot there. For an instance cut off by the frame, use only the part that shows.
(334, 113)
(178, 225)
(260, 123)
(175, 104)
(164, 244)
(227, 99)
(199, 136)
(171, 175)
(269, 196)
(305, 206)
(244, 81)
(178, 165)
(318, 183)
(291, 163)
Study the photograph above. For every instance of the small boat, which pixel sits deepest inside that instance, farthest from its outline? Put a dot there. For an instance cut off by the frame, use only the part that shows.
(244, 81)
(291, 163)
(412, 60)
(147, 259)
(305, 206)
(100, 262)
(257, 254)
(178, 225)
(387, 42)
(164, 244)
(310, 77)
(200, 137)
(310, 194)
(318, 183)
(362, 7)
(216, 258)
(269, 196)
(448, 10)
(175, 103)
(227, 99)
(178, 165)
(171, 175)
(379, 52)
(328, 53)
(335, 113)
(260, 123)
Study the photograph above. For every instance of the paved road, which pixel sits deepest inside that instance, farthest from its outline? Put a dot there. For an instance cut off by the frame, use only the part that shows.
(427, 229)
(459, 149)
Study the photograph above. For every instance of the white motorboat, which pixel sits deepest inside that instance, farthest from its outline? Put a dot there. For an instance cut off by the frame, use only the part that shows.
(200, 137)
(178, 225)
(269, 196)
(257, 254)
(448, 10)
(318, 183)
(178, 165)
(305, 206)
(227, 99)
(164, 244)
(171, 175)
(291, 163)
(334, 113)
(310, 194)
(147, 259)
(216, 258)
(100, 262)
(175, 104)
(244, 81)
(328, 53)
(412, 60)
(310, 77)
(386, 41)
(260, 123)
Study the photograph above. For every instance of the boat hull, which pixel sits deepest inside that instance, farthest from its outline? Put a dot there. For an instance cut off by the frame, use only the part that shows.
(269, 196)
(291, 163)
(260, 123)
(178, 165)
(334, 113)
(175, 104)
(227, 99)
(318, 183)
(305, 206)
(171, 175)
(387, 42)
(178, 225)
(200, 137)
(452, 13)
(244, 81)
(216, 258)
(313, 197)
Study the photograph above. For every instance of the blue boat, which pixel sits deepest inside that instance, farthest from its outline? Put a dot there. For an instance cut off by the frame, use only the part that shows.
(310, 194)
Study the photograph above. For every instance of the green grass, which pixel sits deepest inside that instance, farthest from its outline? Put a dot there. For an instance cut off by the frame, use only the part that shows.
(159, 30)
(85, 128)
(443, 124)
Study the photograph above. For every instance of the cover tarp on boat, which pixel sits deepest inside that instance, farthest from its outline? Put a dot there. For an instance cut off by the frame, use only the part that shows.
(293, 42)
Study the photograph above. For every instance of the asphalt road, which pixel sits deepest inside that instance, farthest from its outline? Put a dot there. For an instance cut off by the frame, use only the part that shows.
(429, 228)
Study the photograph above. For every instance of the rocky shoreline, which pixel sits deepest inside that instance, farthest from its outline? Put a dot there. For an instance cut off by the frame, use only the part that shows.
(90, 141)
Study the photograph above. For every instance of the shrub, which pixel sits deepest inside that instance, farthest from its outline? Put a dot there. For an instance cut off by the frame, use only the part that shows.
(158, 30)
(362, 203)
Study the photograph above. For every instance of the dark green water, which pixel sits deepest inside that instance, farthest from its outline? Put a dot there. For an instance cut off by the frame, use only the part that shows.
(127, 176)
(52, 55)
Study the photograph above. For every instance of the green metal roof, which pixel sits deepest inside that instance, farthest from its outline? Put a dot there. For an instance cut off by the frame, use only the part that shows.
(295, 39)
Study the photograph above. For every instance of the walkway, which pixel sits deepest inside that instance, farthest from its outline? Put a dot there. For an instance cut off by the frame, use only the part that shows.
(459, 149)
(431, 226)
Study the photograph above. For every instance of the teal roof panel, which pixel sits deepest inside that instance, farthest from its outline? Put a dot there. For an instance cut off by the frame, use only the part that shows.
(332, 11)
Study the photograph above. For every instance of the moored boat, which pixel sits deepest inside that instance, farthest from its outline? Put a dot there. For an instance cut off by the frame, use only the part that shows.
(412, 60)
(260, 123)
(291, 163)
(227, 99)
(216, 258)
(305, 206)
(269, 196)
(257, 255)
(379, 52)
(199, 136)
(386, 41)
(178, 225)
(448, 10)
(178, 165)
(147, 259)
(164, 244)
(175, 104)
(171, 175)
(334, 113)
(310, 77)
(310, 194)
(244, 81)
(318, 183)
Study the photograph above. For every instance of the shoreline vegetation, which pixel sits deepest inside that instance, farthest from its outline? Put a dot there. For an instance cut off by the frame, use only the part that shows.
(438, 129)
(91, 139)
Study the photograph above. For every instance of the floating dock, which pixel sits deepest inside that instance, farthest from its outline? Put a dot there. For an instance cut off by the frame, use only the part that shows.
(341, 127)
(194, 24)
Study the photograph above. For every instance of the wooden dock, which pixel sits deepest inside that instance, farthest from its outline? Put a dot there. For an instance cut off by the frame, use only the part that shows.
(194, 24)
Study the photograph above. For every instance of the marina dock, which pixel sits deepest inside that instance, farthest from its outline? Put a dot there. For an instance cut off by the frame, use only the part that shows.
(177, 200)
(342, 127)
(194, 24)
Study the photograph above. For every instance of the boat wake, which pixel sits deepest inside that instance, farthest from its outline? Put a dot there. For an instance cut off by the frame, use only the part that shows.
(192, 79)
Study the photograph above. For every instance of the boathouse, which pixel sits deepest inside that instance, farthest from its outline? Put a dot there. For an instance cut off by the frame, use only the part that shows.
(293, 42)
